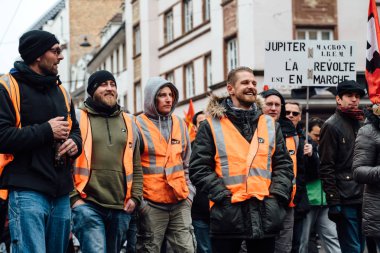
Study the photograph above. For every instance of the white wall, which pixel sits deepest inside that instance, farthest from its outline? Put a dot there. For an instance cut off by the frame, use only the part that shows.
(186, 53)
(150, 32)
(129, 49)
(352, 20)
(216, 42)
(60, 28)
(272, 21)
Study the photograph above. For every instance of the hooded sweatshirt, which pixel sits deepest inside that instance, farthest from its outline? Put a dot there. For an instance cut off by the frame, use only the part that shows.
(164, 122)
(107, 184)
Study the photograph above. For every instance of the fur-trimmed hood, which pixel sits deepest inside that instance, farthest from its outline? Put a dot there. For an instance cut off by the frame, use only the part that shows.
(216, 108)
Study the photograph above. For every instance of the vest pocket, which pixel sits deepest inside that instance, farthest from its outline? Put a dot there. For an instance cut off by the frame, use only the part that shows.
(272, 215)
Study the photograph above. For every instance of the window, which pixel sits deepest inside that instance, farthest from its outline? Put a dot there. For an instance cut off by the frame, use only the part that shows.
(169, 33)
(170, 77)
(136, 40)
(124, 53)
(117, 61)
(189, 81)
(208, 73)
(231, 54)
(112, 70)
(125, 102)
(188, 15)
(206, 10)
(138, 97)
(314, 34)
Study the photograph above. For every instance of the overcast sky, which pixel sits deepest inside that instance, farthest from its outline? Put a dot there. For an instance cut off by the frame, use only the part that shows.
(17, 17)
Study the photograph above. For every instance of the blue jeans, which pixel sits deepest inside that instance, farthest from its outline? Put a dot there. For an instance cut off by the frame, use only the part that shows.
(38, 222)
(349, 229)
(201, 231)
(99, 229)
(132, 234)
(317, 217)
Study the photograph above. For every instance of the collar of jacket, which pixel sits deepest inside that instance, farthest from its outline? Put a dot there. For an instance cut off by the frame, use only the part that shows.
(218, 107)
(95, 108)
(26, 75)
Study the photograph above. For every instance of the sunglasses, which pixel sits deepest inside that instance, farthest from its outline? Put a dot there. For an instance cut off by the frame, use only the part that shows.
(295, 114)
(56, 51)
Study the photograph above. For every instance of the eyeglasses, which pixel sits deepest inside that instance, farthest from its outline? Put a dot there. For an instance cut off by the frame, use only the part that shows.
(271, 104)
(57, 51)
(295, 114)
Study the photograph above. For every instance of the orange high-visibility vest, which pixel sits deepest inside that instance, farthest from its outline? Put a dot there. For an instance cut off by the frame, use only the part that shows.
(12, 87)
(292, 143)
(246, 168)
(82, 167)
(164, 175)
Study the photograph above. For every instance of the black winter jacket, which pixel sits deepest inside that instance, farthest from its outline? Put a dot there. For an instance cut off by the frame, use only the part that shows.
(300, 199)
(200, 209)
(33, 145)
(312, 163)
(251, 219)
(366, 170)
(336, 150)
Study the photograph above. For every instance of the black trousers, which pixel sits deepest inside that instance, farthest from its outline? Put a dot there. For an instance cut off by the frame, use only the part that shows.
(234, 245)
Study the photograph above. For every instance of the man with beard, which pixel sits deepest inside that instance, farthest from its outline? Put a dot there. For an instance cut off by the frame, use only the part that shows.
(168, 192)
(39, 137)
(336, 150)
(103, 203)
(240, 160)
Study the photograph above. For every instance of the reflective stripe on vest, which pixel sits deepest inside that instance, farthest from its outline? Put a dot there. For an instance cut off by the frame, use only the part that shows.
(292, 144)
(164, 176)
(82, 168)
(246, 168)
(12, 87)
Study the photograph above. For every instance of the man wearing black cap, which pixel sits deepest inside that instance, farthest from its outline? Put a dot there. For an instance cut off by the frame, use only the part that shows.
(337, 140)
(103, 203)
(38, 129)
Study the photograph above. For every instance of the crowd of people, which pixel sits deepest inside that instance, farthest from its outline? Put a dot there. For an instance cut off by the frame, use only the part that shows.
(252, 180)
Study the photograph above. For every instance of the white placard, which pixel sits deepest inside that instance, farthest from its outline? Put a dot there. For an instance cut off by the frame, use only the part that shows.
(309, 63)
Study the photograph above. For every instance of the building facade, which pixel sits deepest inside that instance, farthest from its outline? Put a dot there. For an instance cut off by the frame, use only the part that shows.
(75, 22)
(194, 43)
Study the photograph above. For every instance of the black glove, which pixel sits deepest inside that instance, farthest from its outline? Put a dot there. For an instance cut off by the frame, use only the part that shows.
(335, 213)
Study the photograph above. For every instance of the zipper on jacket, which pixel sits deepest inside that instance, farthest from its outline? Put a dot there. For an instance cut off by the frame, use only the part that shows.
(109, 133)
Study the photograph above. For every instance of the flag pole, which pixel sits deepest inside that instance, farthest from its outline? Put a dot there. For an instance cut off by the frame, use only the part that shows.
(307, 114)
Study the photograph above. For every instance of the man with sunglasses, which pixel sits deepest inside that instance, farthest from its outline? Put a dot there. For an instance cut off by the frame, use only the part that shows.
(275, 106)
(336, 149)
(38, 129)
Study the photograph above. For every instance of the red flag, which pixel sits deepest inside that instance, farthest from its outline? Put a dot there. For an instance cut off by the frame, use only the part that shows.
(372, 72)
(189, 120)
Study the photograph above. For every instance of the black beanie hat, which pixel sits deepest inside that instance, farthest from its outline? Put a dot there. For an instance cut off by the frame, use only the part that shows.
(275, 92)
(35, 43)
(348, 86)
(96, 79)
